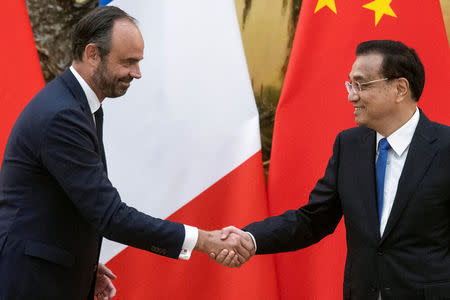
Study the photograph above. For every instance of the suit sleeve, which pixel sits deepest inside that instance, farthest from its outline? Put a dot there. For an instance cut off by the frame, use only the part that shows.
(297, 229)
(68, 151)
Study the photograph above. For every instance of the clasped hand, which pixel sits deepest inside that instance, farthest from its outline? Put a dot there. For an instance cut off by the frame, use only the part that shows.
(230, 247)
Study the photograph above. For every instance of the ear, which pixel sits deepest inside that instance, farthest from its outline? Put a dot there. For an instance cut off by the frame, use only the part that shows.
(402, 88)
(91, 54)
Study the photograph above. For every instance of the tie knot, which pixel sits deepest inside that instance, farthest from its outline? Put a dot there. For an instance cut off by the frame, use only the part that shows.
(383, 145)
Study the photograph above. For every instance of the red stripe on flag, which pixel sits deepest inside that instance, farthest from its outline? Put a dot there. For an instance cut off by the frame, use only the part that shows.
(237, 199)
(20, 75)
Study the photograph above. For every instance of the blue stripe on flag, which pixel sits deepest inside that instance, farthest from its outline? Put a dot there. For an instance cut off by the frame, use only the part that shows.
(104, 2)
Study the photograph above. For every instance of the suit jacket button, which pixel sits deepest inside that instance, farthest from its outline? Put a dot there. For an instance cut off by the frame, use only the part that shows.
(380, 253)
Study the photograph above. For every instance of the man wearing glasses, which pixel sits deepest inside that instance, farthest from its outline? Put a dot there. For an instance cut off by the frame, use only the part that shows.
(389, 178)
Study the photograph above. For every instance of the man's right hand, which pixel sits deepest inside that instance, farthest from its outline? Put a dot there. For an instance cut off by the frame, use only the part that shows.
(230, 248)
(226, 257)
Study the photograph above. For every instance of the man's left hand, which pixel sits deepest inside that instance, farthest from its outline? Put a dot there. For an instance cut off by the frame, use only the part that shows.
(104, 288)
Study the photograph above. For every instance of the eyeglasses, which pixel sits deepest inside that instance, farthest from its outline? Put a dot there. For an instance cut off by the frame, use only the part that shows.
(356, 86)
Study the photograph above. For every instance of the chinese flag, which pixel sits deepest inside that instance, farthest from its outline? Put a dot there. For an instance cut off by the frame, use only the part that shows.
(20, 75)
(314, 108)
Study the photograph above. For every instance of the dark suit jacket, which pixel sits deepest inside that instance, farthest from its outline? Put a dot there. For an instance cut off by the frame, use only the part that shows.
(56, 201)
(412, 258)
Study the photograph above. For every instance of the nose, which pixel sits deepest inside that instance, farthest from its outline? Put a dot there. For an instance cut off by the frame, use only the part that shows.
(136, 72)
(353, 97)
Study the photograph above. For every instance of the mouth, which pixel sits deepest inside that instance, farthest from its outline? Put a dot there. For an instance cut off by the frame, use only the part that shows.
(125, 83)
(358, 110)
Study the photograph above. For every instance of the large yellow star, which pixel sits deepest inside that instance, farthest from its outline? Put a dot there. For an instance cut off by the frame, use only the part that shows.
(381, 7)
(322, 3)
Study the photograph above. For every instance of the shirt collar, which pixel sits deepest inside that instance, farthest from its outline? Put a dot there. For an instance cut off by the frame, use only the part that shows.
(402, 137)
(94, 103)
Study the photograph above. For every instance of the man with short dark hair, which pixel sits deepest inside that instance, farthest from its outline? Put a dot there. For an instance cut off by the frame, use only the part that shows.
(56, 202)
(390, 180)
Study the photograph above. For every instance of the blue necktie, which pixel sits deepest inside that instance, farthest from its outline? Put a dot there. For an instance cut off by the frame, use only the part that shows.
(383, 148)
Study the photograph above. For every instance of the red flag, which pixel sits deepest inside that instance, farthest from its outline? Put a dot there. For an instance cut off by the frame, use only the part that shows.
(314, 108)
(20, 76)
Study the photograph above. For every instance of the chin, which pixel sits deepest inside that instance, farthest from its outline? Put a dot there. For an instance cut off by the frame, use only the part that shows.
(118, 93)
(360, 122)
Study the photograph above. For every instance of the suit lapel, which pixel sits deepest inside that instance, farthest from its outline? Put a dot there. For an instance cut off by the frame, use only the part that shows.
(365, 162)
(418, 160)
(78, 93)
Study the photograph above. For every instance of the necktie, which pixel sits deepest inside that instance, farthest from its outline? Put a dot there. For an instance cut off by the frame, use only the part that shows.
(99, 126)
(383, 148)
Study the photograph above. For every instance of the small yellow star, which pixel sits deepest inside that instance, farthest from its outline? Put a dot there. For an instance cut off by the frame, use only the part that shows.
(322, 3)
(381, 7)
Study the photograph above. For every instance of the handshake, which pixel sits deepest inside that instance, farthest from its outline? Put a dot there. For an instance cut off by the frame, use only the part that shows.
(230, 247)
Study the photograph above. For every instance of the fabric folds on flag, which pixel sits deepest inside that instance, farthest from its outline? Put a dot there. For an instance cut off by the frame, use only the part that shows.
(184, 144)
(313, 109)
(20, 76)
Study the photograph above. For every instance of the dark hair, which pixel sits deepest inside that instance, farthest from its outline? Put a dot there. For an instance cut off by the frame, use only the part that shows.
(96, 27)
(398, 61)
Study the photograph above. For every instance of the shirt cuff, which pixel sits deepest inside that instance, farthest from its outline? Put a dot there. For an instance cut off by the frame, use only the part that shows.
(190, 240)
(253, 238)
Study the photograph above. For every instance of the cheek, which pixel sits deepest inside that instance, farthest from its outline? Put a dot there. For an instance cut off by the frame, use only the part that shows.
(122, 73)
(379, 108)
(117, 71)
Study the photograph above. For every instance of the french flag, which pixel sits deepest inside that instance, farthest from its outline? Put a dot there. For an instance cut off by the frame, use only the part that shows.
(184, 144)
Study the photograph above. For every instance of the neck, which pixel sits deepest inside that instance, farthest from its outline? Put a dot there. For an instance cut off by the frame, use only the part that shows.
(398, 120)
(86, 73)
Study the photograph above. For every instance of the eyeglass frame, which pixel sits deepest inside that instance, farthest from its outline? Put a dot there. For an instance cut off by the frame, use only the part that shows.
(351, 88)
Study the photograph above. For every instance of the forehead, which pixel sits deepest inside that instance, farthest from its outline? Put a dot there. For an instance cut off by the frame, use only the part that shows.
(366, 67)
(126, 40)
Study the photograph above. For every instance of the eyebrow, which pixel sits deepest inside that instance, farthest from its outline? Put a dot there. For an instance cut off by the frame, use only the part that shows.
(131, 60)
(357, 77)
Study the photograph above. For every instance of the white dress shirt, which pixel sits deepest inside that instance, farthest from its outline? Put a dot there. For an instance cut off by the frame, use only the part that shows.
(399, 141)
(191, 236)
